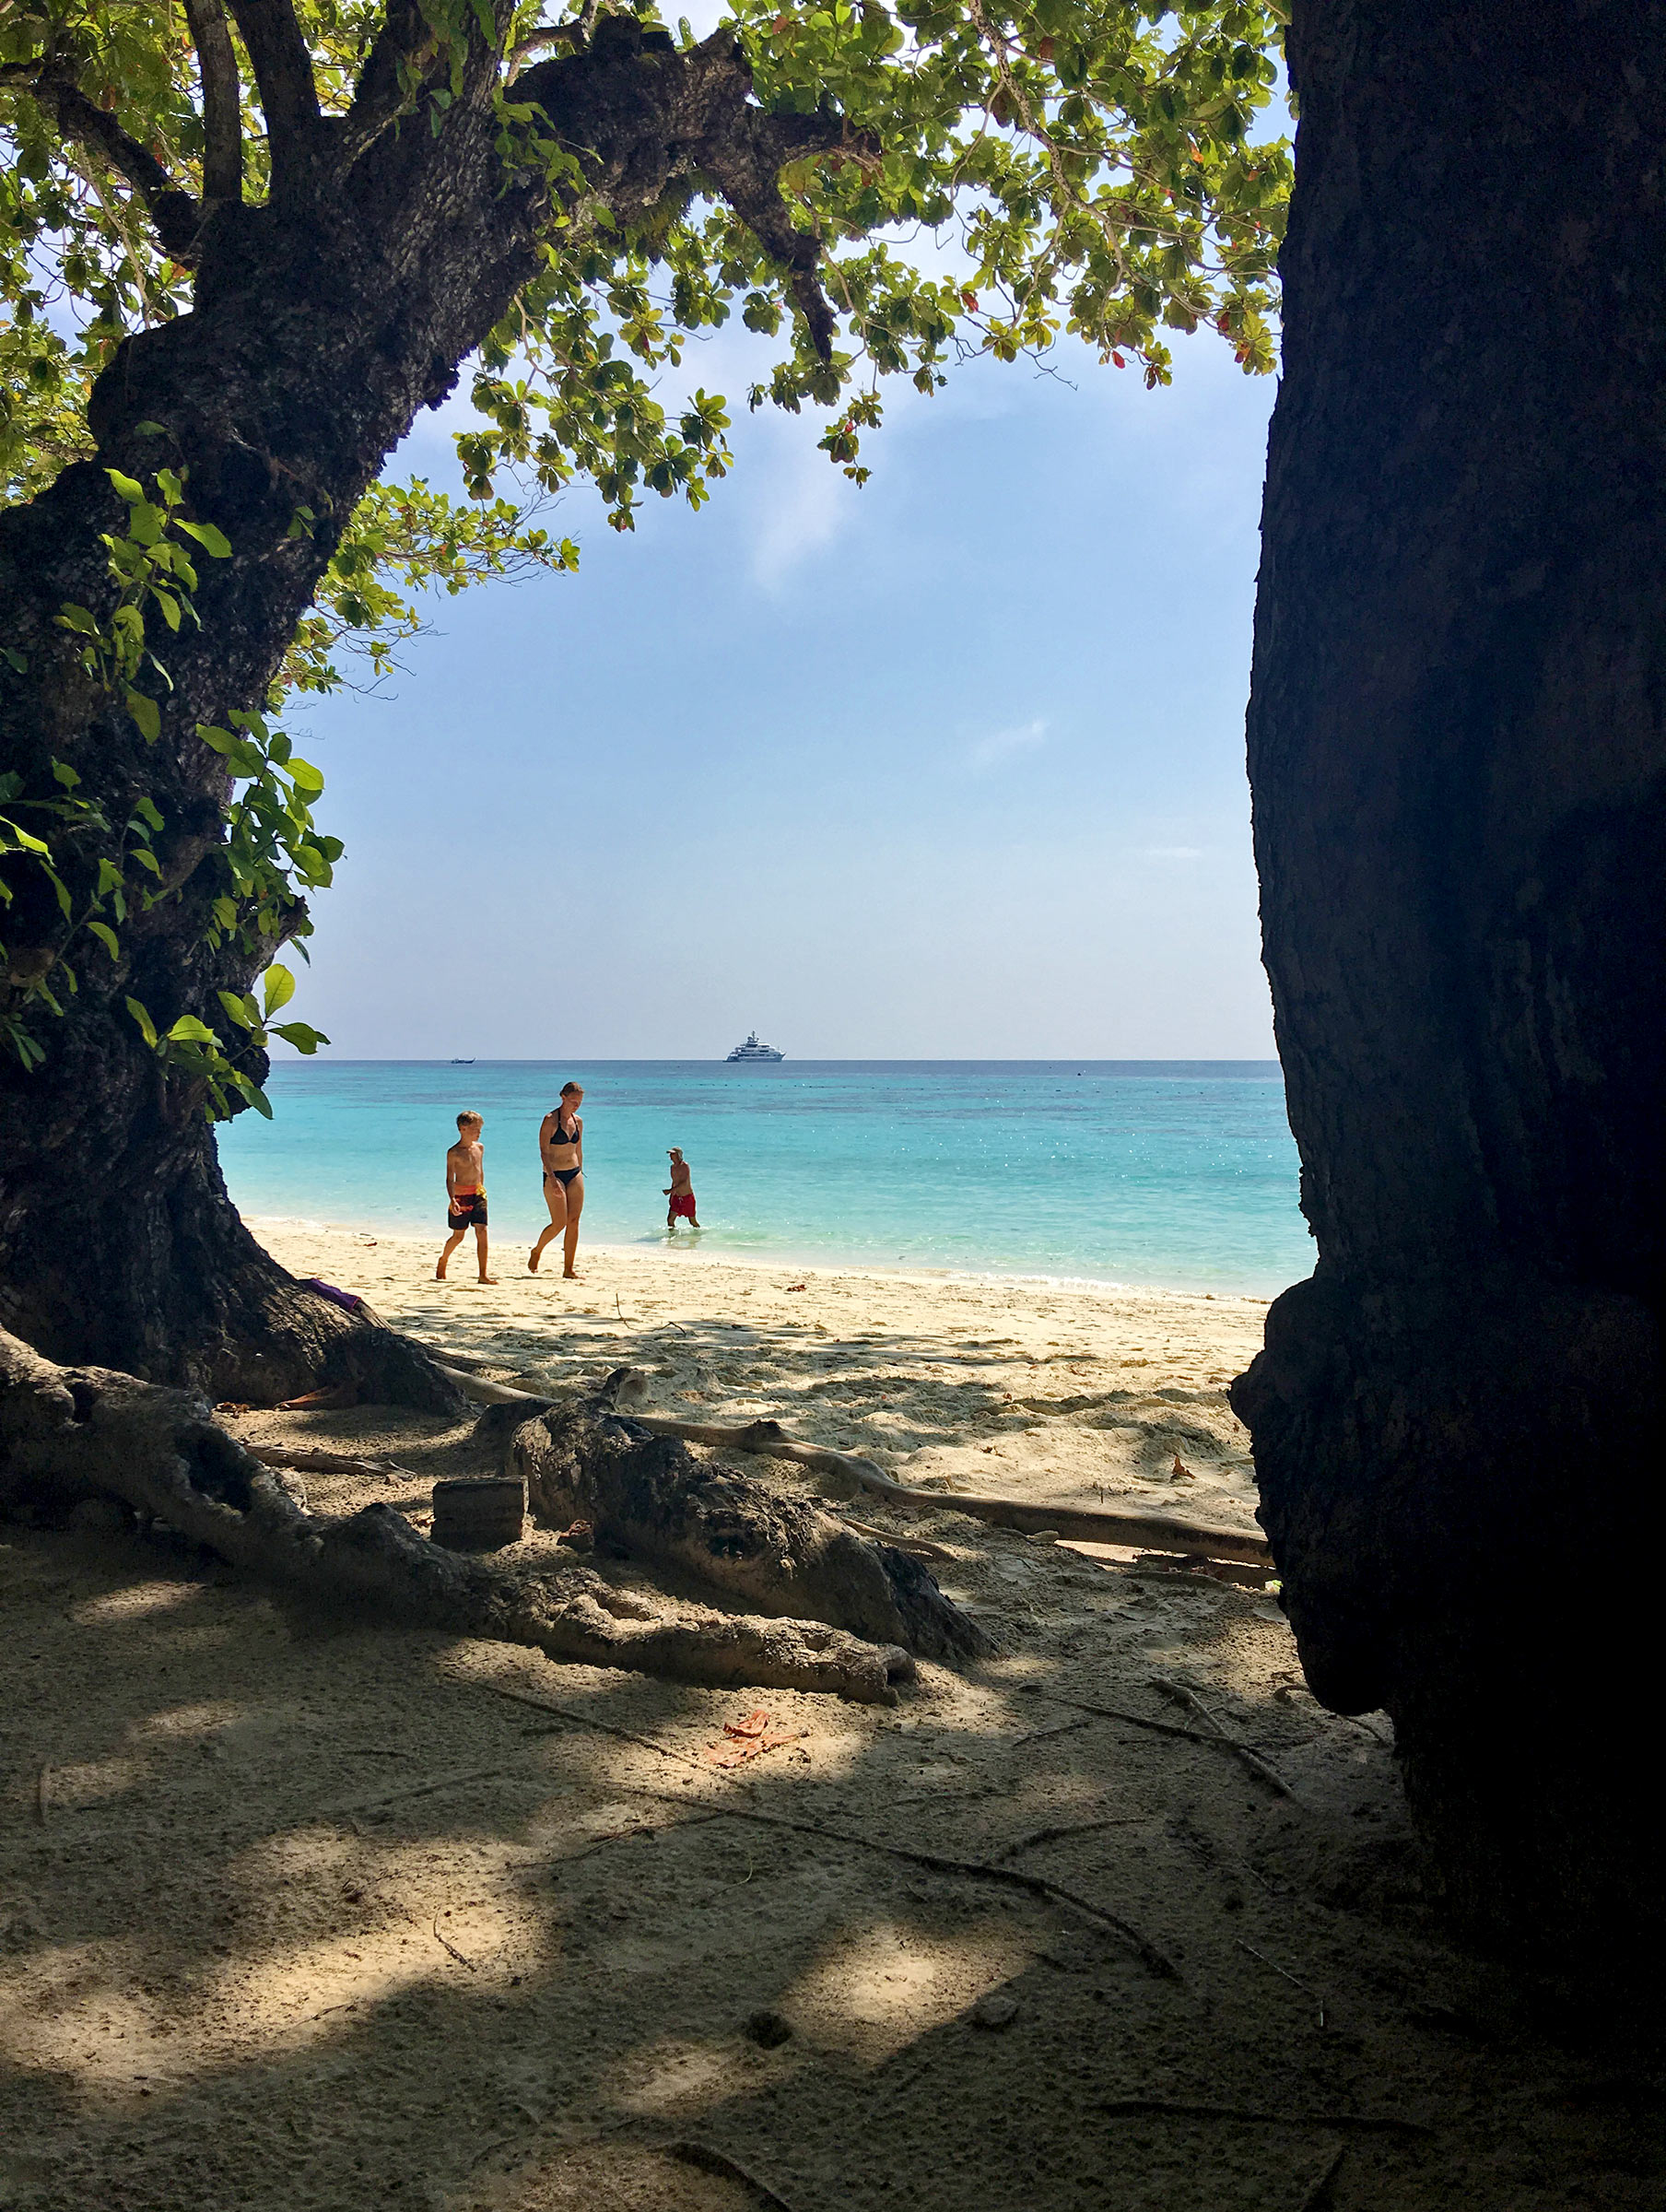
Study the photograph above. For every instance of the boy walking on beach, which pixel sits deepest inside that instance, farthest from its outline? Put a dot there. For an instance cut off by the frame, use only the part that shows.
(681, 1193)
(465, 1194)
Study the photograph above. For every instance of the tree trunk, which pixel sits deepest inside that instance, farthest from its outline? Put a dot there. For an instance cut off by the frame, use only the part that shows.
(322, 321)
(1460, 785)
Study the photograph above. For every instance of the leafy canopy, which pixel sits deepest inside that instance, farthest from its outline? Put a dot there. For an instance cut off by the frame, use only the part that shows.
(1018, 168)
(1011, 170)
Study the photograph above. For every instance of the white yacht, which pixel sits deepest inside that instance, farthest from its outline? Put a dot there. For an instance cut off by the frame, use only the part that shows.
(753, 1050)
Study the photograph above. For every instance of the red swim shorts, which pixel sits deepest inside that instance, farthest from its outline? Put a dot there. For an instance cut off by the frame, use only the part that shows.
(682, 1207)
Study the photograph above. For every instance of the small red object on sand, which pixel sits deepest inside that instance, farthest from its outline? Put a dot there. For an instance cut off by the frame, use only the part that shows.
(796, 1286)
(747, 1739)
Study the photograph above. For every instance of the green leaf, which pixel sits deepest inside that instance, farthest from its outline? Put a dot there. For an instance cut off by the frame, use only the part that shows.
(146, 1027)
(301, 1034)
(65, 775)
(214, 541)
(106, 937)
(188, 1030)
(146, 712)
(216, 740)
(133, 493)
(279, 988)
(306, 779)
(70, 616)
(148, 811)
(241, 1010)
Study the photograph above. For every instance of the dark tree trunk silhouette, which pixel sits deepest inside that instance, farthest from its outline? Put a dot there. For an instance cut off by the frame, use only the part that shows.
(1460, 784)
(322, 321)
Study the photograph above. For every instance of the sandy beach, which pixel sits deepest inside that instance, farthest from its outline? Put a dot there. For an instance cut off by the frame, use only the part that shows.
(950, 1382)
(309, 1914)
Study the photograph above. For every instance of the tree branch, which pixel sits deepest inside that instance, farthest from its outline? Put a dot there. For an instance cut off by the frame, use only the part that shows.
(630, 84)
(174, 213)
(283, 75)
(744, 160)
(222, 121)
(381, 93)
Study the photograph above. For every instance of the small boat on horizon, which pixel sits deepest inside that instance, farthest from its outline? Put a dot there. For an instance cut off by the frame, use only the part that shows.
(469, 1062)
(753, 1050)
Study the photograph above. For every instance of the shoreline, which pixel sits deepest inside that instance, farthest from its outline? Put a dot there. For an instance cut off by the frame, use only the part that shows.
(656, 1248)
(1071, 1393)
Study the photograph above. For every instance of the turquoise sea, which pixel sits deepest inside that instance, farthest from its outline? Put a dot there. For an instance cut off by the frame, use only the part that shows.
(1176, 1173)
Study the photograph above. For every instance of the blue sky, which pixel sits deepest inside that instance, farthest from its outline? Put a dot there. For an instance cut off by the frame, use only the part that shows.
(949, 766)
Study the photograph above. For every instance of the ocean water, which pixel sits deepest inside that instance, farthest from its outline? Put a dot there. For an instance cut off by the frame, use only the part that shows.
(1181, 1174)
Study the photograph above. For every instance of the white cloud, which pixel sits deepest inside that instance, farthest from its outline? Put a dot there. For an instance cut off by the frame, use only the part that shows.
(1001, 744)
(799, 503)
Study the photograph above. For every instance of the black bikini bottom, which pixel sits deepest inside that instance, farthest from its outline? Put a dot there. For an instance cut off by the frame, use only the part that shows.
(562, 1175)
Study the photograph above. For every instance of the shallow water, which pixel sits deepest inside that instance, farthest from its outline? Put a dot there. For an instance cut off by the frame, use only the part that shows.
(1178, 1173)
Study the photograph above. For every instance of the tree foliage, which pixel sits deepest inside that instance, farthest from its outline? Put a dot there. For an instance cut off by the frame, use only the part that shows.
(974, 176)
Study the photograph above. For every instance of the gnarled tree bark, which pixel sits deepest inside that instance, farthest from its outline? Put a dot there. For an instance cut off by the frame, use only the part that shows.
(1459, 780)
(67, 1433)
(586, 1460)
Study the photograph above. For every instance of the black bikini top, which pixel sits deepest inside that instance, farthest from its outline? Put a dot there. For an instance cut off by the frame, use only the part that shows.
(558, 1135)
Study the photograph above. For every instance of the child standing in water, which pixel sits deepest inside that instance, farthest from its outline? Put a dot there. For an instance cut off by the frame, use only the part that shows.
(681, 1193)
(465, 1194)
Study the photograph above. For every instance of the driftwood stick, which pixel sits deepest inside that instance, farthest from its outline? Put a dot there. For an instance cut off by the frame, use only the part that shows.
(710, 2159)
(311, 1462)
(1084, 1524)
(583, 1719)
(488, 1394)
(1068, 1827)
(982, 1870)
(1252, 1760)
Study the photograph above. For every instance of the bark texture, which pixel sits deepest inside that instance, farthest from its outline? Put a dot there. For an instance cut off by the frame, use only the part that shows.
(322, 321)
(1459, 780)
(72, 1433)
(648, 1495)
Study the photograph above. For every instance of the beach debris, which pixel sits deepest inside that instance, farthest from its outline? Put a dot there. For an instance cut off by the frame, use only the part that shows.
(349, 1300)
(232, 1405)
(745, 1740)
(994, 2011)
(310, 1461)
(707, 2158)
(1180, 1472)
(797, 1286)
(579, 1536)
(645, 1493)
(480, 1512)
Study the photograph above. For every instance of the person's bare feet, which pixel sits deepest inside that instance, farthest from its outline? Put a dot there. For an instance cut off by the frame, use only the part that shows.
(488, 1279)
(572, 1275)
(440, 1272)
(532, 1262)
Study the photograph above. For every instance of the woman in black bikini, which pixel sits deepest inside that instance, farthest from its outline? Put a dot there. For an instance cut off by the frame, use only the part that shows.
(561, 1143)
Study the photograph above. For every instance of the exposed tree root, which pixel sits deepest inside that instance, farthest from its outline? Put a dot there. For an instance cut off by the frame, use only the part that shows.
(650, 1495)
(67, 1433)
(1082, 1525)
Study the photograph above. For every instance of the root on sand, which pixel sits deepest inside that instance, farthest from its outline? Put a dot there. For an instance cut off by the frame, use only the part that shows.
(69, 1433)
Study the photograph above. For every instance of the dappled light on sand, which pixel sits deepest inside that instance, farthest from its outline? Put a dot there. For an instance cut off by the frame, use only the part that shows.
(302, 1913)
